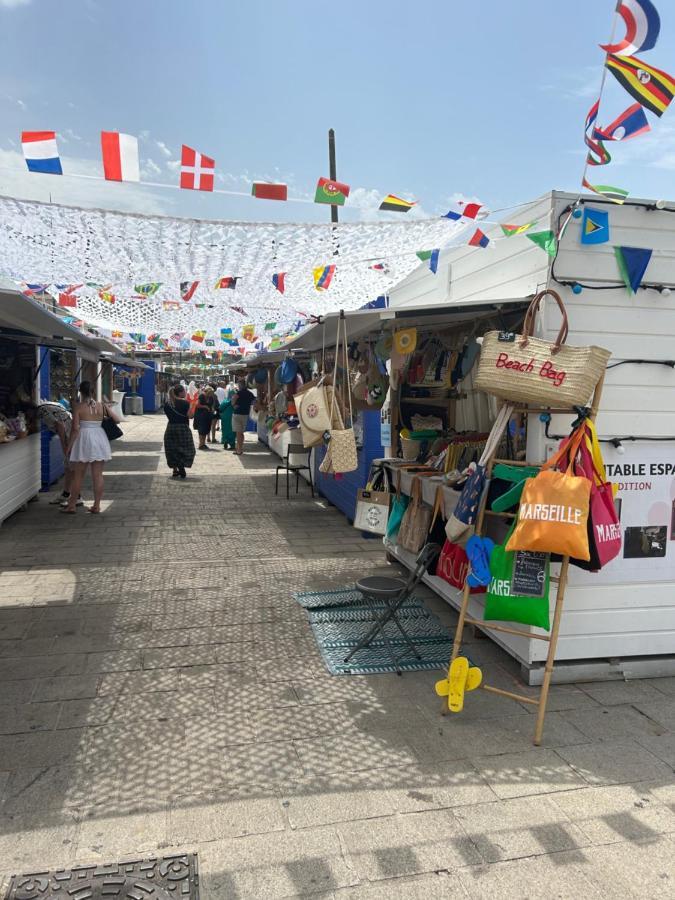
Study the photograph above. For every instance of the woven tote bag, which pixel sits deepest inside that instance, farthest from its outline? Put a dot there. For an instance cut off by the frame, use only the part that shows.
(527, 369)
(416, 521)
(342, 454)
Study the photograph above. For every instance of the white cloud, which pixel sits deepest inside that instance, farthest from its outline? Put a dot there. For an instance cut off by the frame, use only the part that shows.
(655, 150)
(10, 4)
(163, 149)
(88, 190)
(173, 165)
(15, 100)
(150, 168)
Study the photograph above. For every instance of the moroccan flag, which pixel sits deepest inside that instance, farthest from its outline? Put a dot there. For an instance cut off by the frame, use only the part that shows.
(148, 290)
(199, 336)
(187, 289)
(228, 282)
(323, 275)
(510, 230)
(396, 204)
(546, 240)
(632, 263)
(279, 281)
(264, 191)
(615, 194)
(651, 87)
(479, 239)
(333, 192)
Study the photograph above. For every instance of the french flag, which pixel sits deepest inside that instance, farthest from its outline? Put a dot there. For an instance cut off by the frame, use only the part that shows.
(40, 152)
(120, 156)
(462, 210)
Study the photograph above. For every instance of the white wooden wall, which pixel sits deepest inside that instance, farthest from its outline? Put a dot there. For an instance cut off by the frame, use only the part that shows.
(601, 619)
(20, 477)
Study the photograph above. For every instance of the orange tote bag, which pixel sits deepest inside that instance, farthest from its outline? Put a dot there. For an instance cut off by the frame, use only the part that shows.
(553, 514)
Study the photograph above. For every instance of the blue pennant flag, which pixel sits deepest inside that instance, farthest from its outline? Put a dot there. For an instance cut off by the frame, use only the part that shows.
(632, 262)
(433, 260)
(595, 226)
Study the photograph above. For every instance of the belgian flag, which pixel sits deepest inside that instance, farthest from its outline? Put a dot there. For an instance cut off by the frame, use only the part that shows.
(651, 87)
(395, 204)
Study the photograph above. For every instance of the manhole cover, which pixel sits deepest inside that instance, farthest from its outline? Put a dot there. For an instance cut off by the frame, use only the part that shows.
(165, 878)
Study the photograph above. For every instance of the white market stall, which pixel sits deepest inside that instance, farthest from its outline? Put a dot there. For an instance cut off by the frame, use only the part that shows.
(619, 622)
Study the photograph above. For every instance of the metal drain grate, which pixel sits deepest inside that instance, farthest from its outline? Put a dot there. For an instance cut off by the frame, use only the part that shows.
(155, 878)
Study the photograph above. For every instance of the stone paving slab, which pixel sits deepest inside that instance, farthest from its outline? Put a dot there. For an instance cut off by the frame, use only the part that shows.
(161, 692)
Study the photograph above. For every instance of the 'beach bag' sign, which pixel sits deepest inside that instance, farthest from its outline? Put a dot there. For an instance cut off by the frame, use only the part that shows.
(526, 369)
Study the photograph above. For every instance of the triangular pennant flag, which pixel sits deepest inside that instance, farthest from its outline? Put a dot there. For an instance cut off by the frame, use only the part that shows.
(595, 226)
(510, 230)
(433, 260)
(279, 281)
(632, 262)
(546, 240)
(479, 239)
(424, 255)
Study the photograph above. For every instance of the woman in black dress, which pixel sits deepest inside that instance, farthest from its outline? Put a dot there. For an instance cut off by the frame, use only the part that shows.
(179, 446)
(203, 419)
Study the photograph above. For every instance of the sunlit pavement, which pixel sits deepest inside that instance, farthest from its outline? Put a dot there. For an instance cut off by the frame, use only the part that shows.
(161, 691)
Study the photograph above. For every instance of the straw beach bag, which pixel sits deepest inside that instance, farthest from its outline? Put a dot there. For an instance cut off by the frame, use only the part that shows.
(527, 369)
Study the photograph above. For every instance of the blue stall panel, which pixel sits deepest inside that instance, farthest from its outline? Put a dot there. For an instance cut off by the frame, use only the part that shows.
(341, 491)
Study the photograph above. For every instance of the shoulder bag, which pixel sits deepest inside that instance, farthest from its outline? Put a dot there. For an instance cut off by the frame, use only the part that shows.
(416, 521)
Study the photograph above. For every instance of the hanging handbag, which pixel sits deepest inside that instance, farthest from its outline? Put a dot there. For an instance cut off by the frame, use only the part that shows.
(372, 511)
(526, 369)
(436, 533)
(459, 525)
(313, 408)
(453, 567)
(341, 455)
(604, 528)
(519, 586)
(416, 520)
(553, 515)
(111, 428)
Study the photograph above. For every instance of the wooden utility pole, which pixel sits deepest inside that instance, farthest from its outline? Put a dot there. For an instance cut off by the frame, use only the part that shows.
(332, 170)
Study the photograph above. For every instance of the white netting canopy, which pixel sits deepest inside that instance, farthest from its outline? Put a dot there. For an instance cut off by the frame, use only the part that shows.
(115, 252)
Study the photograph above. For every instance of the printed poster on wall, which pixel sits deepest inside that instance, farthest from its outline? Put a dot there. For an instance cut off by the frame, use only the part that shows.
(645, 473)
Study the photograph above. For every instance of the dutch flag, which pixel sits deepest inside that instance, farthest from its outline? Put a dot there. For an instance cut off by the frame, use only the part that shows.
(40, 152)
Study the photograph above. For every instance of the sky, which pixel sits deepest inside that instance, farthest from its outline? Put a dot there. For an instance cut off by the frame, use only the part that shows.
(429, 101)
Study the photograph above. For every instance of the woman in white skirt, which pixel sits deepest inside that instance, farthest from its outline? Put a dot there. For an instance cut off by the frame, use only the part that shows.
(88, 446)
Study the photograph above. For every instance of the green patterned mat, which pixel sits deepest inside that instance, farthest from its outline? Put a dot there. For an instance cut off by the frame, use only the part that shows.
(339, 628)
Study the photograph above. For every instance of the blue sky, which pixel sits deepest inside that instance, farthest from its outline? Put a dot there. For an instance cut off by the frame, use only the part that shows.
(428, 101)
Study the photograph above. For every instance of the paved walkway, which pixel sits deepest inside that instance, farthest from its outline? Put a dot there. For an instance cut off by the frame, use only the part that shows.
(161, 691)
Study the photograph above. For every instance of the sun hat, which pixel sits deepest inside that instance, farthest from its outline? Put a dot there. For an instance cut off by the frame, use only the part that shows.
(405, 340)
(288, 370)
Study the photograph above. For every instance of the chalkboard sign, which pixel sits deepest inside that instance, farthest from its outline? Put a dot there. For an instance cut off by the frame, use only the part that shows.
(528, 578)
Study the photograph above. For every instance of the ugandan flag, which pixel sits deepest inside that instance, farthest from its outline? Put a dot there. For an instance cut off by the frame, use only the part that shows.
(396, 204)
(651, 87)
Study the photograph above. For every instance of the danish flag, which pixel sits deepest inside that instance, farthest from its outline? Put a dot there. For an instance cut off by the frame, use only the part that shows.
(196, 170)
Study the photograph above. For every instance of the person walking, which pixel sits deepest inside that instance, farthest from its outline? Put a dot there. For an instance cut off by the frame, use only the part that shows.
(88, 445)
(202, 420)
(214, 406)
(227, 436)
(242, 401)
(179, 446)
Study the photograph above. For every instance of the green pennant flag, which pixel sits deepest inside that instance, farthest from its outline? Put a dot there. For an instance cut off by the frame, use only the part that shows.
(270, 326)
(546, 240)
(424, 255)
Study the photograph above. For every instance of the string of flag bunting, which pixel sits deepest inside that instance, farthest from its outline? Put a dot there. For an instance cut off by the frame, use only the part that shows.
(652, 89)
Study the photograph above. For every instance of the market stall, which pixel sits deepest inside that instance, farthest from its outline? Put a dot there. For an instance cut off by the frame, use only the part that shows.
(32, 341)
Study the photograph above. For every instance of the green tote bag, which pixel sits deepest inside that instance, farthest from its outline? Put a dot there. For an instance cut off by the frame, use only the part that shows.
(519, 586)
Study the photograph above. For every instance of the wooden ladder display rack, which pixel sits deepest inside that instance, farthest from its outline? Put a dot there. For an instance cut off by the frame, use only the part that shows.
(560, 580)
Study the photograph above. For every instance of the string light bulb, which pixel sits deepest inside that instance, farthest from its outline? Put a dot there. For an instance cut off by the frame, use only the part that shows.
(665, 292)
(577, 289)
(618, 446)
(660, 204)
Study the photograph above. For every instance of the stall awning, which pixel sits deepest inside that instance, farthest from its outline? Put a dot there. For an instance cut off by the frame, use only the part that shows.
(363, 322)
(20, 313)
